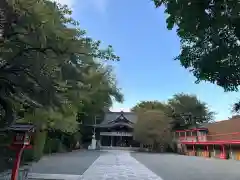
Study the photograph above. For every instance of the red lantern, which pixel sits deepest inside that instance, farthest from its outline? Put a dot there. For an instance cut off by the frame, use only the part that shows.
(20, 142)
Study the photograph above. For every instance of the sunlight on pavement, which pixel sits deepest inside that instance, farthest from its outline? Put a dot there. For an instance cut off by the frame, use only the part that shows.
(118, 165)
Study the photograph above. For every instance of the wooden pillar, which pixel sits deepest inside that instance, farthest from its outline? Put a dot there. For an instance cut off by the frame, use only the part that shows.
(231, 152)
(207, 151)
(214, 152)
(223, 153)
(100, 140)
(191, 135)
(194, 154)
(111, 141)
(223, 149)
(121, 140)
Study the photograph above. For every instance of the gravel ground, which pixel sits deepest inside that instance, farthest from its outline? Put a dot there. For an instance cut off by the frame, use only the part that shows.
(176, 167)
(74, 163)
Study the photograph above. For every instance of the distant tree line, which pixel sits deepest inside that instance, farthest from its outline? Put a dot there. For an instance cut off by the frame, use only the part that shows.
(157, 120)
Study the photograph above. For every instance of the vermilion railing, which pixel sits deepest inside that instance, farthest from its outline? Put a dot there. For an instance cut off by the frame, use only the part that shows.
(215, 138)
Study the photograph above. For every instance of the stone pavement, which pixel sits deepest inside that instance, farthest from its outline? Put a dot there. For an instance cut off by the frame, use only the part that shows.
(177, 167)
(118, 165)
(124, 165)
(110, 165)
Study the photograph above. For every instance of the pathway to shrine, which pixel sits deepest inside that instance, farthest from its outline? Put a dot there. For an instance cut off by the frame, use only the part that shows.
(126, 165)
(111, 165)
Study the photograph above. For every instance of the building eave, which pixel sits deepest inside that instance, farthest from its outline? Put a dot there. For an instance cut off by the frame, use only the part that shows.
(212, 142)
(113, 125)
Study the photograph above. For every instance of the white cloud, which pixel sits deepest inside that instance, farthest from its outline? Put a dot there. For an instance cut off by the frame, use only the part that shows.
(82, 5)
(70, 3)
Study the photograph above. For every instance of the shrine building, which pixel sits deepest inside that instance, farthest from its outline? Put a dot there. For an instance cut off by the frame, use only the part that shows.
(116, 129)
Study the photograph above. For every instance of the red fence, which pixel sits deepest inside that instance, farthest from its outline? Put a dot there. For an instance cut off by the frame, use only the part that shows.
(226, 138)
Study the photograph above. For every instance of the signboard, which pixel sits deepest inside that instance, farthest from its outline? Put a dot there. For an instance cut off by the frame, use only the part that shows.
(116, 134)
(21, 138)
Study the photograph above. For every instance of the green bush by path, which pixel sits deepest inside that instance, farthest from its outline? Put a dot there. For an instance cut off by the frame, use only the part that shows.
(39, 143)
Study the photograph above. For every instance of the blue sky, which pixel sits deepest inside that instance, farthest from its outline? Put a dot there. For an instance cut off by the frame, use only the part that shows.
(147, 70)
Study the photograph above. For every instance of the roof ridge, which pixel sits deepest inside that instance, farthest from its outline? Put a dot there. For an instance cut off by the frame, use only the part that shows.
(225, 120)
(120, 112)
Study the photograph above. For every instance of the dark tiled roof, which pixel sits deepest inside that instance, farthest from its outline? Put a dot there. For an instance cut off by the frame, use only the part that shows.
(115, 124)
(111, 116)
(21, 127)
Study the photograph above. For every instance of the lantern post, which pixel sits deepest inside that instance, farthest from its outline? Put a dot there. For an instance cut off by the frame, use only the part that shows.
(21, 141)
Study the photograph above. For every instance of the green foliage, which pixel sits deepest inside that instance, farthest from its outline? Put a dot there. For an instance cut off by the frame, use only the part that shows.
(47, 61)
(190, 106)
(49, 119)
(153, 127)
(38, 144)
(156, 119)
(27, 156)
(52, 64)
(52, 74)
(149, 105)
(184, 109)
(209, 32)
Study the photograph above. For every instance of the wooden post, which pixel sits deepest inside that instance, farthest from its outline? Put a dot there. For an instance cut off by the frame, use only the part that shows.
(214, 152)
(16, 165)
(223, 153)
(100, 142)
(194, 154)
(207, 152)
(231, 153)
(223, 150)
(111, 141)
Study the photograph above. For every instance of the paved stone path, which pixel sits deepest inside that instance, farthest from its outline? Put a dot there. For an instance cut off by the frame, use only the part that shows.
(111, 165)
(100, 165)
(118, 165)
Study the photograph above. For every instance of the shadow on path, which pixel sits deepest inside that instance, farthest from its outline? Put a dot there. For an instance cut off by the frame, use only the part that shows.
(75, 163)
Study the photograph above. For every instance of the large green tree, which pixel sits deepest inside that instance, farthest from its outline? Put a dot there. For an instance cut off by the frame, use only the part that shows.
(188, 110)
(153, 128)
(184, 109)
(44, 55)
(209, 34)
(50, 70)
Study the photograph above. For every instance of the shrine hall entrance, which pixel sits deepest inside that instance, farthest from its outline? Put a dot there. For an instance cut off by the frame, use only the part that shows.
(116, 141)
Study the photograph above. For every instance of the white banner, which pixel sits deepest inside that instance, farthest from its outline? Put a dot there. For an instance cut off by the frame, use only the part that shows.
(116, 134)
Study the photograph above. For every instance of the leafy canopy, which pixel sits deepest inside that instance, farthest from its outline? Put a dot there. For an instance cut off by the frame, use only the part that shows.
(184, 109)
(152, 127)
(49, 68)
(185, 104)
(149, 105)
(209, 31)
